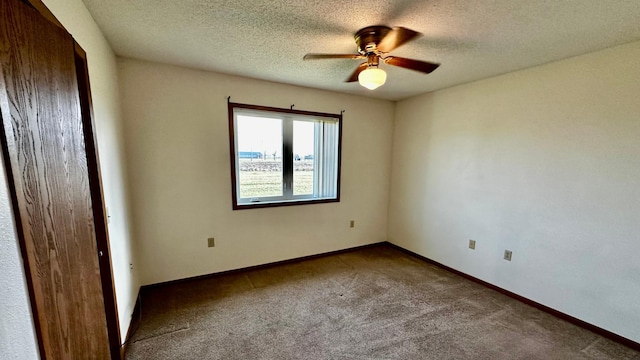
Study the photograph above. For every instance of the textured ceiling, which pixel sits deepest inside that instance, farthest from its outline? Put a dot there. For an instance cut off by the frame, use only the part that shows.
(266, 39)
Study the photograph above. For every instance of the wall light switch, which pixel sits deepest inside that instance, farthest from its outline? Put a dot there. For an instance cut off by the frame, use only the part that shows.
(352, 223)
(472, 244)
(211, 242)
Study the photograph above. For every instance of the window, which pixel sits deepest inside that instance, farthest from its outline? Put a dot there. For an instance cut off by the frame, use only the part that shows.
(283, 157)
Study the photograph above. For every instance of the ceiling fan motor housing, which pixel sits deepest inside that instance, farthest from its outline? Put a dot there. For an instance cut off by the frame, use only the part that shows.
(368, 38)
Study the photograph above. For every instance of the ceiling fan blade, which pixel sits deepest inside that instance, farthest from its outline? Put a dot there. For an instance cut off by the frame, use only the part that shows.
(417, 65)
(332, 56)
(396, 37)
(354, 75)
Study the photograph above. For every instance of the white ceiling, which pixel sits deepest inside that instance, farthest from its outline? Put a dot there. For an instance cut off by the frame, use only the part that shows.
(266, 39)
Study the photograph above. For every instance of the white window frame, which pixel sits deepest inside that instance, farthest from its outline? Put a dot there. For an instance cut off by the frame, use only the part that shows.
(327, 157)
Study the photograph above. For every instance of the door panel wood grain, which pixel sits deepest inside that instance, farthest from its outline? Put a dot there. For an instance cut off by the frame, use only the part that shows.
(47, 165)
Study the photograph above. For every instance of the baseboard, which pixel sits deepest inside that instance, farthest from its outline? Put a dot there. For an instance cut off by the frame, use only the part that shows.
(133, 324)
(262, 266)
(583, 324)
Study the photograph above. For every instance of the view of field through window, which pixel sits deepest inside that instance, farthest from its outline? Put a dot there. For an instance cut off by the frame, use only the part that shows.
(263, 177)
(260, 157)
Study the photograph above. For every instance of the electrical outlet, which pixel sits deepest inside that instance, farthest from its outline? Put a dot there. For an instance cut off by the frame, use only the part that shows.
(211, 242)
(352, 223)
(472, 244)
(507, 255)
(130, 266)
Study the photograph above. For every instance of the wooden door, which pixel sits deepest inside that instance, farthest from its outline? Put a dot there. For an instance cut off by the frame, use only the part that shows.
(48, 170)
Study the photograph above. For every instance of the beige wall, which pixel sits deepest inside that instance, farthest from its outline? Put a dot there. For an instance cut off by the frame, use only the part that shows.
(17, 333)
(178, 160)
(544, 162)
(106, 108)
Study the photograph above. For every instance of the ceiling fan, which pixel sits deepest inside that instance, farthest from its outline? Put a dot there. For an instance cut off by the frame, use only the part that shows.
(374, 42)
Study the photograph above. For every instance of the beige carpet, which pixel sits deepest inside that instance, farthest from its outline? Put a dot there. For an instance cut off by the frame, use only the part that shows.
(374, 303)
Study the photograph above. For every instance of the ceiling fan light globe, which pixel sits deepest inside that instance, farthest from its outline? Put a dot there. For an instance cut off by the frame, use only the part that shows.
(372, 78)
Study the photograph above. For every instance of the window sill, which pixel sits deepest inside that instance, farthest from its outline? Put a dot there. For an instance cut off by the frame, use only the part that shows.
(268, 204)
